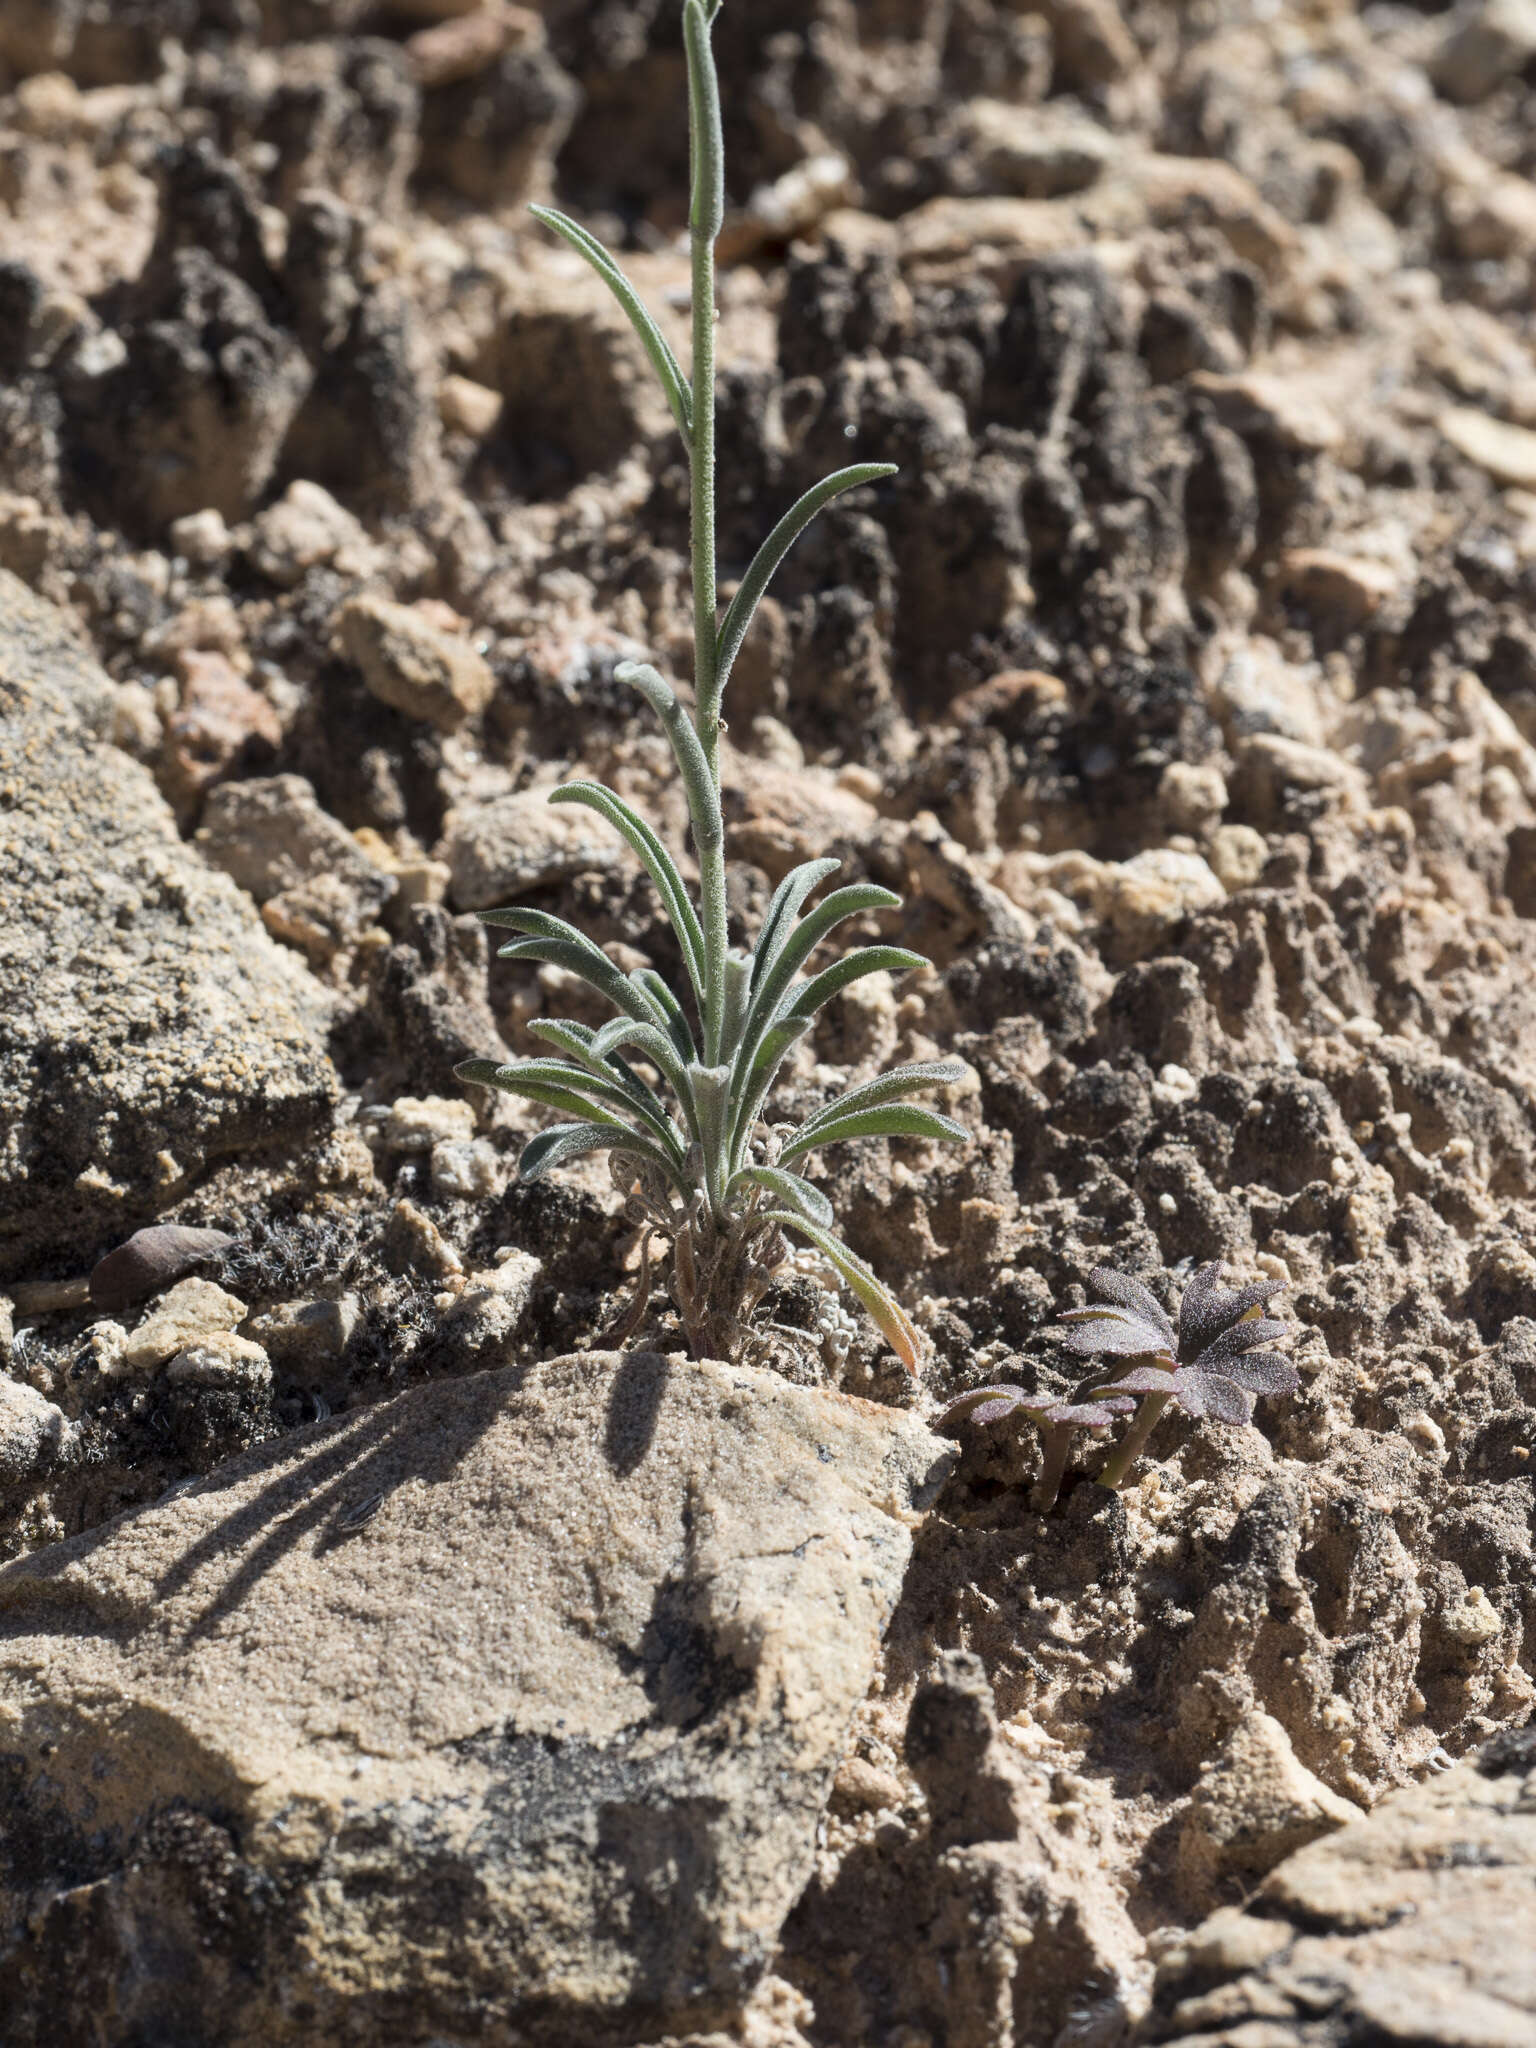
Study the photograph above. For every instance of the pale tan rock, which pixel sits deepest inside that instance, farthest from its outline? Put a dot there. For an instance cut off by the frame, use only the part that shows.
(778, 816)
(1344, 588)
(1255, 1805)
(943, 870)
(794, 204)
(1174, 188)
(1473, 1621)
(469, 43)
(32, 1431)
(409, 662)
(1485, 45)
(1237, 856)
(193, 1309)
(412, 1240)
(148, 1016)
(303, 530)
(1491, 213)
(219, 720)
(1414, 1923)
(468, 407)
(418, 878)
(490, 1309)
(1142, 899)
(271, 835)
(496, 852)
(1035, 152)
(303, 1335)
(1025, 692)
(1229, 1940)
(1508, 453)
(222, 1359)
(583, 1646)
(863, 1787)
(991, 234)
(1269, 766)
(1093, 44)
(465, 1169)
(417, 1123)
(1257, 402)
(1191, 797)
(202, 537)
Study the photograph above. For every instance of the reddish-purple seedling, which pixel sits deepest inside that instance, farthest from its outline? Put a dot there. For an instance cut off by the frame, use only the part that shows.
(1057, 1420)
(1213, 1364)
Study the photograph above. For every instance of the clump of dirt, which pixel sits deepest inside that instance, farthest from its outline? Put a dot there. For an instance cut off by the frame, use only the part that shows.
(1184, 678)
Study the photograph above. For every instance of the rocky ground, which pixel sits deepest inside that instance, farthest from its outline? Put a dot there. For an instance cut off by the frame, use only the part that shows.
(1184, 680)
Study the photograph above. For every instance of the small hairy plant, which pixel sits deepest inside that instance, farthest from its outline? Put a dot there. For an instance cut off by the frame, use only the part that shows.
(1058, 1421)
(673, 1089)
(1213, 1363)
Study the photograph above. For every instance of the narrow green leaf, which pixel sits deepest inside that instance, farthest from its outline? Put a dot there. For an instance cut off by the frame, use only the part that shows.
(733, 627)
(579, 955)
(576, 1042)
(655, 859)
(706, 212)
(789, 1188)
(889, 1120)
(558, 1085)
(768, 1002)
(655, 1045)
(652, 340)
(887, 1314)
(911, 1079)
(698, 783)
(569, 1141)
(712, 1093)
(852, 967)
(590, 965)
(667, 1004)
(573, 1039)
(783, 909)
(733, 1002)
(753, 1077)
(806, 936)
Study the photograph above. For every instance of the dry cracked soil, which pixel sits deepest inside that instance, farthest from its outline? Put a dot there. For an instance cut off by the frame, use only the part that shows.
(381, 1659)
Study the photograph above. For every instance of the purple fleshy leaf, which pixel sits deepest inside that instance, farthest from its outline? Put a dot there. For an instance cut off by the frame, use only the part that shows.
(1263, 1372)
(1085, 1414)
(1132, 1294)
(1141, 1379)
(986, 1412)
(1125, 1336)
(1208, 1308)
(1100, 1311)
(993, 1404)
(1241, 1337)
(1210, 1393)
(964, 1404)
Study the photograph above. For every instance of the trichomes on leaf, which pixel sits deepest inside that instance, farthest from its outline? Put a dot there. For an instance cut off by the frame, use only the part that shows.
(1213, 1363)
(674, 1088)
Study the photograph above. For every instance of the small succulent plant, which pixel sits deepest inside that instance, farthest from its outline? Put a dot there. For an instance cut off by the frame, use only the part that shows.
(674, 1088)
(1213, 1363)
(1058, 1420)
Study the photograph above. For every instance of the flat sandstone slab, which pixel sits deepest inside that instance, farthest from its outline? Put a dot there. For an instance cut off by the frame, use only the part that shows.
(149, 1025)
(534, 1751)
(1413, 1926)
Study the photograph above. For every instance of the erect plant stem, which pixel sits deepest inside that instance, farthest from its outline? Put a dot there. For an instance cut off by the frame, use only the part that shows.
(1134, 1442)
(1055, 1449)
(706, 215)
